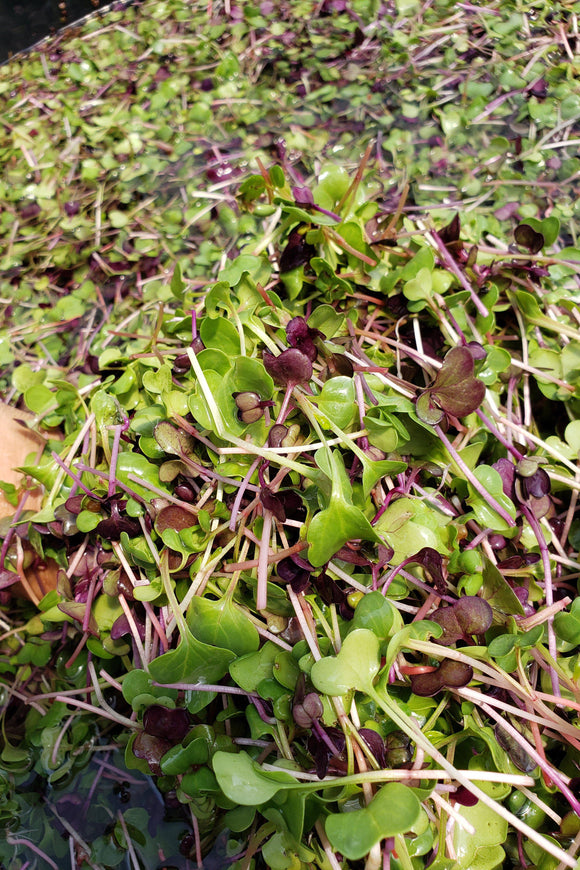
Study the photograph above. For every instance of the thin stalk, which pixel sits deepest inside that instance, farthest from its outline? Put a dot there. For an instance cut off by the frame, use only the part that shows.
(262, 587)
(408, 725)
(548, 588)
(501, 511)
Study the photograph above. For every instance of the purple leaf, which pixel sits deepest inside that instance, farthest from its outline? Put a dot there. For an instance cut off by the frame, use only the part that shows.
(375, 743)
(289, 368)
(272, 502)
(276, 435)
(537, 485)
(450, 674)
(455, 389)
(308, 710)
(468, 616)
(151, 749)
(332, 593)
(302, 196)
(295, 572)
(507, 472)
(527, 237)
(121, 627)
(111, 527)
(515, 750)
(302, 336)
(171, 725)
(476, 350)
(296, 253)
(464, 797)
(432, 562)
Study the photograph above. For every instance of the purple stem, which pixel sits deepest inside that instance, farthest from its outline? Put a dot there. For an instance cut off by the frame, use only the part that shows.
(493, 504)
(20, 841)
(89, 602)
(82, 467)
(322, 735)
(325, 211)
(12, 529)
(387, 850)
(461, 277)
(549, 590)
(419, 583)
(358, 383)
(497, 434)
(262, 712)
(533, 753)
(285, 402)
(240, 493)
(117, 430)
(74, 476)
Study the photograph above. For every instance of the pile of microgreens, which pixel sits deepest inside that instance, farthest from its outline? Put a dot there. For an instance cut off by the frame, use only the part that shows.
(314, 540)
(315, 507)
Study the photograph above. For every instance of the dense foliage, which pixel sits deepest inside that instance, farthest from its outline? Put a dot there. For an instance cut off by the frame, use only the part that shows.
(314, 513)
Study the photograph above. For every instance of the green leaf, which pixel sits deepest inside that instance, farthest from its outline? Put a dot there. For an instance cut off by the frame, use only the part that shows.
(409, 525)
(567, 625)
(249, 670)
(139, 467)
(191, 662)
(244, 782)
(480, 852)
(173, 440)
(355, 666)
(484, 514)
(419, 287)
(497, 591)
(221, 334)
(250, 374)
(222, 624)
(394, 810)
(377, 614)
(39, 399)
(336, 401)
(179, 758)
(341, 521)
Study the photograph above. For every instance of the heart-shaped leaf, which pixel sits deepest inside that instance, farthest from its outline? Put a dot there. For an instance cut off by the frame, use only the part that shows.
(341, 521)
(191, 662)
(331, 528)
(355, 666)
(394, 810)
(526, 236)
(222, 624)
(455, 387)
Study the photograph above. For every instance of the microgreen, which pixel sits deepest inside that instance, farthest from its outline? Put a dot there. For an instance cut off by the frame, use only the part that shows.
(308, 332)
